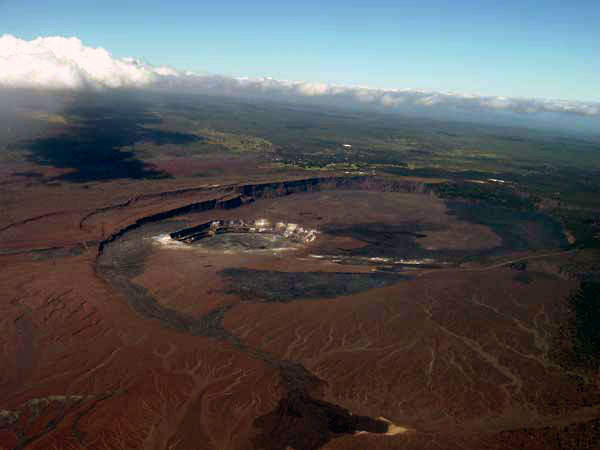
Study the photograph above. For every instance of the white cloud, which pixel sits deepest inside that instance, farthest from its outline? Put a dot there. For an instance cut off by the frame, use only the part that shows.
(66, 63)
(59, 63)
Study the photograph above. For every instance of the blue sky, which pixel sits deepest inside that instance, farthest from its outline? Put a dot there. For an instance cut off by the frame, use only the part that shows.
(543, 48)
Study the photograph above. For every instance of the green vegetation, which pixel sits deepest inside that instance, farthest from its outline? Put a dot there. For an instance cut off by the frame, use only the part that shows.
(235, 143)
(492, 193)
(553, 171)
(47, 117)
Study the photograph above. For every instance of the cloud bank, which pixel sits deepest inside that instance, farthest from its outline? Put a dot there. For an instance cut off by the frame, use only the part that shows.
(66, 63)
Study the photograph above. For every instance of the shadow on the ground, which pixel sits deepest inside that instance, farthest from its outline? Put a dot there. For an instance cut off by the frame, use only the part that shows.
(93, 147)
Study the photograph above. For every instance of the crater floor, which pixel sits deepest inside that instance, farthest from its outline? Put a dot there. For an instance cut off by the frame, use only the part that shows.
(308, 315)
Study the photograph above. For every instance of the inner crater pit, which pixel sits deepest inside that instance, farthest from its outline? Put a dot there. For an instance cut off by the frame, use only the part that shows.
(243, 236)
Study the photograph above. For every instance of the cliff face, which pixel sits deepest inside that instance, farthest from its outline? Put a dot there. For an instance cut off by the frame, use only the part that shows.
(193, 207)
(240, 195)
(371, 183)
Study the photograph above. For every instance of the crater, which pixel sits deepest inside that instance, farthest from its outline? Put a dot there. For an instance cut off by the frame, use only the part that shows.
(233, 236)
(308, 311)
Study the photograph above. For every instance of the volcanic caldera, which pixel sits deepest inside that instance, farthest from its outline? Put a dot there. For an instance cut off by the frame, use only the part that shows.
(334, 312)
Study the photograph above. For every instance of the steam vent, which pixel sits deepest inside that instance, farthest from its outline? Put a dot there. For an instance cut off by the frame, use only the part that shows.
(260, 234)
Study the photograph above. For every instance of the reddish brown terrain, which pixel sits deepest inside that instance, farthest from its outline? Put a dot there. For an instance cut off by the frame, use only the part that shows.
(407, 323)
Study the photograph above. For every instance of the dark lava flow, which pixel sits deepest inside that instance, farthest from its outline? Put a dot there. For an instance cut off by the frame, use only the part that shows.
(519, 230)
(273, 286)
(301, 420)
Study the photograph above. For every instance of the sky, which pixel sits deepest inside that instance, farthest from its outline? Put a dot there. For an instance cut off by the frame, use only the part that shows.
(530, 49)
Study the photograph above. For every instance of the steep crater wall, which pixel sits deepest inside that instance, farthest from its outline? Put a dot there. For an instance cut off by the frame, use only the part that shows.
(237, 196)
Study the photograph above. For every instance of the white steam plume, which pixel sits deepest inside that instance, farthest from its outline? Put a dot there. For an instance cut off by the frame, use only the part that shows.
(66, 63)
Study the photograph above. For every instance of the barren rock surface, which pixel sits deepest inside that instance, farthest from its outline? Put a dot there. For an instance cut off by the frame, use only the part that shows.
(400, 326)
